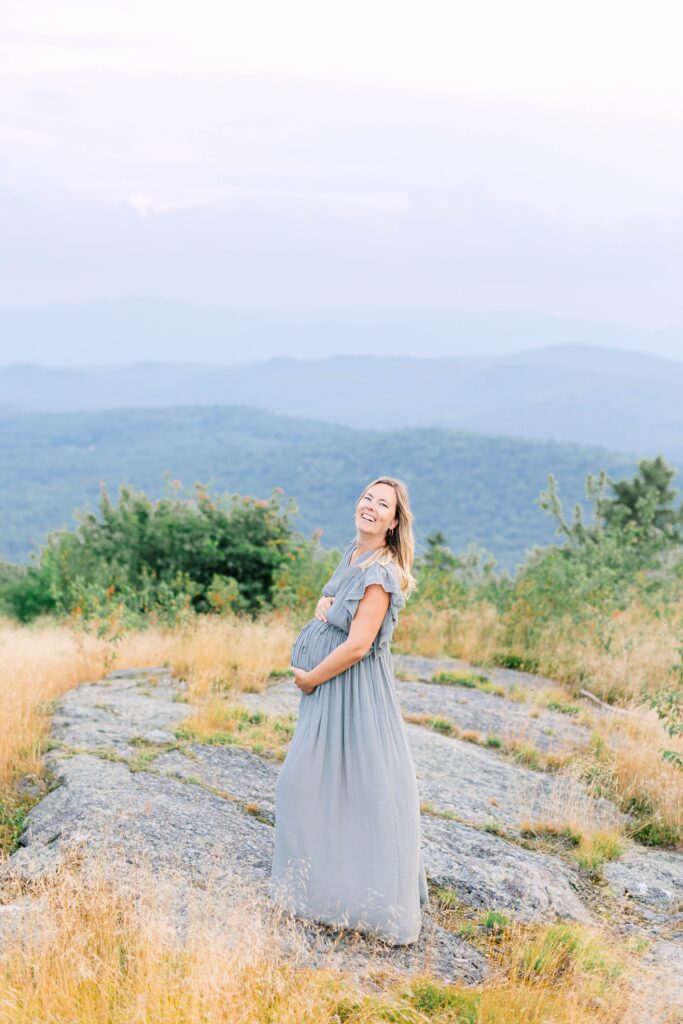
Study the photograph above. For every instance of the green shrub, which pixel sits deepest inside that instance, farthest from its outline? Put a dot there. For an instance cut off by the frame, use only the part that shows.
(565, 709)
(515, 661)
(194, 553)
(457, 679)
(494, 921)
(430, 997)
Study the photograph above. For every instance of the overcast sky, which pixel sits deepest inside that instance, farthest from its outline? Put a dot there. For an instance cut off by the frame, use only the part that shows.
(306, 158)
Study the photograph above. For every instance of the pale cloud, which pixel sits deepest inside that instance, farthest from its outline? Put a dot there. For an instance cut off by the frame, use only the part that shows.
(574, 110)
(523, 155)
(611, 52)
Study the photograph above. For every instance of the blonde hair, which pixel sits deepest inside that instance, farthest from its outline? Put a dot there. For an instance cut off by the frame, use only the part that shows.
(399, 544)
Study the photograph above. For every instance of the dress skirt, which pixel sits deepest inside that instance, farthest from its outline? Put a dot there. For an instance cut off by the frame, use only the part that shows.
(347, 811)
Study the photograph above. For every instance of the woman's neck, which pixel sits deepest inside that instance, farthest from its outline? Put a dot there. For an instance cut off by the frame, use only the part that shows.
(362, 550)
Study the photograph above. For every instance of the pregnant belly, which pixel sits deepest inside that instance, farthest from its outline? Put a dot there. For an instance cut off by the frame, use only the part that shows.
(315, 641)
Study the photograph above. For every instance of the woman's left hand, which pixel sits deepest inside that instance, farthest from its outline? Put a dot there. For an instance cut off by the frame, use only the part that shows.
(301, 679)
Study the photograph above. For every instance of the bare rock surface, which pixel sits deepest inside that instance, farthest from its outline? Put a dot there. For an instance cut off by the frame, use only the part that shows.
(279, 699)
(239, 774)
(121, 813)
(653, 880)
(662, 980)
(490, 873)
(21, 914)
(491, 715)
(109, 714)
(482, 788)
(424, 668)
(485, 870)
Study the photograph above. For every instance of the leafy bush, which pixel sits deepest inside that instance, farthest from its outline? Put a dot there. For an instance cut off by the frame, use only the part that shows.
(194, 553)
(668, 703)
(631, 548)
(449, 580)
(24, 593)
(299, 579)
(204, 554)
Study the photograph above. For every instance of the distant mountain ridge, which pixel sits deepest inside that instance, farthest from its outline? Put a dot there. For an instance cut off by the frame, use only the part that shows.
(158, 328)
(622, 400)
(475, 489)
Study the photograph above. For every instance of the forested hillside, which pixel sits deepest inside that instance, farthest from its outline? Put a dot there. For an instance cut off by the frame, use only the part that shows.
(472, 488)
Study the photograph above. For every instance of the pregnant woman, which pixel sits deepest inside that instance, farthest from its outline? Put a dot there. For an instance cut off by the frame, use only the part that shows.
(347, 811)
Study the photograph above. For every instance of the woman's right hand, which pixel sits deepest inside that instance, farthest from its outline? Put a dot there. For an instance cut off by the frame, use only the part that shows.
(323, 607)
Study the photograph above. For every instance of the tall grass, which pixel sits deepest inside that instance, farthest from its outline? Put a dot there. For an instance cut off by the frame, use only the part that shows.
(470, 633)
(628, 768)
(103, 952)
(226, 652)
(97, 954)
(615, 657)
(37, 664)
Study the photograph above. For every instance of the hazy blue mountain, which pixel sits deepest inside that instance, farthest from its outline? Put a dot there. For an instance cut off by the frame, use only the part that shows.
(627, 401)
(473, 488)
(125, 329)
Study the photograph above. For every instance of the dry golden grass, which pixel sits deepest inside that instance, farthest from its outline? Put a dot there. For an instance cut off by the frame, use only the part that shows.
(591, 844)
(593, 830)
(558, 971)
(37, 664)
(630, 769)
(99, 954)
(630, 772)
(228, 652)
(564, 972)
(557, 699)
(631, 654)
(471, 633)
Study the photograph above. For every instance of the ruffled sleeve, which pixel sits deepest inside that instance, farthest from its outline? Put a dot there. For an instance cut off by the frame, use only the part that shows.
(344, 608)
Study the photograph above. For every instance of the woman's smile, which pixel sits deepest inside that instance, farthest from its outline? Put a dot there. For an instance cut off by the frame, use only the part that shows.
(376, 508)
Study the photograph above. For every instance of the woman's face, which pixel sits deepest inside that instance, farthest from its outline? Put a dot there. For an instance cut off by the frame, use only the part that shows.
(376, 513)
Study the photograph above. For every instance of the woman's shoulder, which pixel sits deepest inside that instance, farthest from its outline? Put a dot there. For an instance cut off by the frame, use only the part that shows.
(386, 566)
(387, 573)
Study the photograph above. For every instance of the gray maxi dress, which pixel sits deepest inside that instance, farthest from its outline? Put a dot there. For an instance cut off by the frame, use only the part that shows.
(347, 810)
